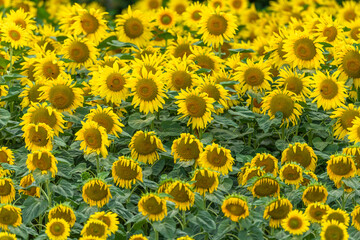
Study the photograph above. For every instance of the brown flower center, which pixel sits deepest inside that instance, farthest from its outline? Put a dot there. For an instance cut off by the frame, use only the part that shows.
(334, 232)
(57, 229)
(104, 120)
(166, 19)
(40, 137)
(8, 216)
(282, 103)
(133, 28)
(50, 70)
(152, 206)
(188, 151)
(254, 76)
(235, 209)
(79, 52)
(92, 138)
(181, 80)
(143, 145)
(304, 49)
(97, 192)
(328, 89)
(15, 35)
(330, 33)
(351, 64)
(196, 106)
(196, 15)
(115, 82)
(89, 23)
(125, 172)
(294, 84)
(5, 189)
(147, 89)
(61, 96)
(347, 117)
(44, 163)
(217, 25)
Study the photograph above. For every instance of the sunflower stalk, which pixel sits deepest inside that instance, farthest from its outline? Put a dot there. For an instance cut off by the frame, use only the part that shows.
(97, 165)
(48, 191)
(283, 132)
(183, 218)
(11, 56)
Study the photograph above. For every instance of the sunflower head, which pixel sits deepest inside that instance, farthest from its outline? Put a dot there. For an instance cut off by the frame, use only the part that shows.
(63, 211)
(315, 192)
(109, 218)
(235, 207)
(96, 192)
(187, 147)
(9, 216)
(57, 228)
(7, 190)
(265, 186)
(333, 230)
(339, 167)
(181, 194)
(301, 154)
(95, 228)
(205, 180)
(7, 236)
(338, 215)
(216, 158)
(43, 160)
(38, 136)
(267, 162)
(296, 223)
(291, 173)
(277, 210)
(25, 182)
(315, 211)
(138, 237)
(153, 206)
(126, 172)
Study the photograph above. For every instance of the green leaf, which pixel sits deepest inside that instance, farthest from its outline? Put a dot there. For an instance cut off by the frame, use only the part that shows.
(319, 144)
(352, 182)
(136, 122)
(241, 50)
(63, 188)
(116, 43)
(243, 112)
(167, 227)
(204, 220)
(33, 208)
(281, 144)
(4, 117)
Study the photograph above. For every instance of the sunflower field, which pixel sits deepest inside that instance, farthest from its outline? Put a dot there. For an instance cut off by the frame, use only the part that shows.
(180, 120)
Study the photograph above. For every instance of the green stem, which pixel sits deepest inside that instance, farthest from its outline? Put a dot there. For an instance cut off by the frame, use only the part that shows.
(156, 234)
(40, 222)
(48, 191)
(183, 217)
(283, 132)
(204, 200)
(358, 94)
(200, 133)
(11, 56)
(97, 165)
(219, 51)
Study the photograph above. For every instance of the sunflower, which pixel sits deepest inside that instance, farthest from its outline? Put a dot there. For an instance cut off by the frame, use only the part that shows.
(95, 228)
(295, 82)
(354, 131)
(235, 207)
(344, 120)
(138, 237)
(31, 93)
(25, 182)
(291, 173)
(215, 91)
(181, 194)
(276, 46)
(14, 34)
(205, 180)
(6, 156)
(193, 14)
(302, 154)
(42, 113)
(62, 94)
(126, 172)
(333, 230)
(180, 74)
(309, 177)
(204, 57)
(339, 167)
(96, 192)
(237, 6)
(349, 11)
(315, 211)
(7, 236)
(179, 6)
(347, 58)
(144, 146)
(9, 216)
(355, 215)
(315, 192)
(109, 218)
(7, 190)
(267, 162)
(164, 184)
(330, 29)
(165, 18)
(152, 206)
(134, 27)
(303, 50)
(63, 211)
(187, 147)
(20, 18)
(282, 101)
(296, 223)
(90, 23)
(80, 51)
(49, 67)
(253, 76)
(43, 160)
(106, 118)
(329, 90)
(57, 229)
(28, 6)
(198, 106)
(338, 215)
(216, 158)
(277, 210)
(249, 173)
(3, 92)
(38, 136)
(265, 186)
(148, 91)
(354, 32)
(215, 26)
(152, 63)
(354, 151)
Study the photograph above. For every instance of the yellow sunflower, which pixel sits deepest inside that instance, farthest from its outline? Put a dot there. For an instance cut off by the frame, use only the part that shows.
(354, 32)
(106, 118)
(94, 138)
(354, 131)
(338, 215)
(181, 47)
(25, 182)
(20, 18)
(38, 136)
(7, 190)
(165, 18)
(216, 26)
(348, 12)
(291, 173)
(354, 152)
(181, 194)
(265, 186)
(295, 82)
(57, 229)
(347, 58)
(267, 162)
(315, 192)
(7, 236)
(43, 160)
(126, 172)
(276, 47)
(277, 210)
(315, 211)
(330, 29)
(303, 50)
(216, 158)
(192, 15)
(186, 148)
(235, 207)
(96, 192)
(355, 215)
(27, 5)
(148, 91)
(296, 223)
(144, 146)
(42, 113)
(344, 120)
(237, 6)
(31, 93)
(62, 94)
(249, 173)
(185, 238)
(9, 216)
(15, 35)
(339, 167)
(109, 218)
(95, 228)
(205, 180)
(198, 106)
(204, 57)
(333, 230)
(302, 154)
(285, 102)
(49, 67)
(138, 237)
(80, 51)
(179, 6)
(63, 211)
(153, 207)
(6, 156)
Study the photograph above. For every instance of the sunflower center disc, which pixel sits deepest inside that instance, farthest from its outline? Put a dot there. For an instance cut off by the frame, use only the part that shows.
(104, 120)
(355, 33)
(79, 52)
(39, 138)
(279, 212)
(143, 145)
(334, 233)
(133, 28)
(294, 85)
(61, 96)
(328, 89)
(351, 64)
(181, 80)
(3, 157)
(282, 103)
(330, 33)
(92, 138)
(217, 25)
(57, 229)
(341, 168)
(96, 192)
(89, 23)
(295, 223)
(166, 19)
(51, 70)
(15, 35)
(205, 181)
(153, 206)
(304, 49)
(196, 15)
(350, 15)
(347, 118)
(43, 163)
(212, 92)
(180, 8)
(196, 106)
(147, 89)
(235, 209)
(237, 4)
(254, 76)
(5, 189)
(115, 82)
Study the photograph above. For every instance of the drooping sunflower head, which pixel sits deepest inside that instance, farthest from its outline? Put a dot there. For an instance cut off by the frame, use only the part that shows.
(186, 148)
(315, 192)
(6, 156)
(38, 136)
(205, 180)
(96, 192)
(57, 228)
(25, 182)
(302, 154)
(354, 152)
(181, 194)
(109, 218)
(267, 162)
(291, 173)
(43, 160)
(355, 215)
(7, 236)
(265, 186)
(296, 223)
(63, 211)
(138, 237)
(308, 177)
(277, 210)
(9, 216)
(249, 173)
(354, 131)
(153, 206)
(334, 230)
(339, 167)
(338, 215)
(144, 147)
(344, 120)
(126, 172)
(95, 228)
(315, 211)
(285, 102)
(216, 158)
(235, 207)
(7, 190)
